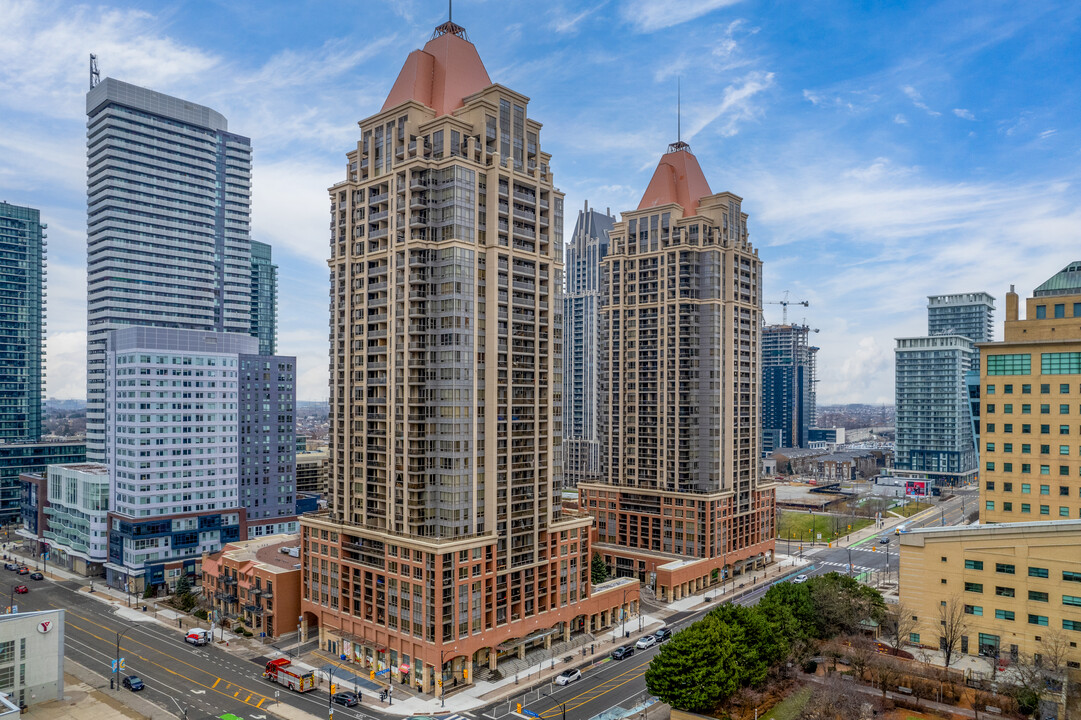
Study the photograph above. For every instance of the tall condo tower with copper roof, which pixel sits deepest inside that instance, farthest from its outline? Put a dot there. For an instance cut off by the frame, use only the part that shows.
(680, 506)
(444, 544)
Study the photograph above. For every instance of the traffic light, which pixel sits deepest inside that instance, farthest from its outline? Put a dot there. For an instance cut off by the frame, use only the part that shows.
(465, 674)
(371, 674)
(439, 682)
(333, 688)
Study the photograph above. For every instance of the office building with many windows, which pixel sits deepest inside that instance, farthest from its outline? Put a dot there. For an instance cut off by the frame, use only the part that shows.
(680, 506)
(264, 298)
(1017, 575)
(22, 322)
(581, 350)
(168, 209)
(445, 544)
(19, 458)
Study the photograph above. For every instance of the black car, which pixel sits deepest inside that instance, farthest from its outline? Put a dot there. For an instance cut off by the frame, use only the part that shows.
(623, 652)
(349, 699)
(37, 576)
(662, 634)
(133, 683)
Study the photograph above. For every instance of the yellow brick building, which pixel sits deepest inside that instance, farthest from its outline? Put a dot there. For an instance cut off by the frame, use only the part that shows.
(1018, 573)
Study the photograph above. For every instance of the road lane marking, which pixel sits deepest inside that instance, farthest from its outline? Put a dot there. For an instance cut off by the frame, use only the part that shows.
(171, 657)
(148, 660)
(216, 684)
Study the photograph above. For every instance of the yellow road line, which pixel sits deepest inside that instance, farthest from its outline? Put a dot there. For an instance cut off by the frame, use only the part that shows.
(137, 642)
(593, 695)
(148, 660)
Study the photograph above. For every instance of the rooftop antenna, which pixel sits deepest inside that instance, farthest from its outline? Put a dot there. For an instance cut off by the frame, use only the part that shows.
(679, 144)
(95, 76)
(449, 27)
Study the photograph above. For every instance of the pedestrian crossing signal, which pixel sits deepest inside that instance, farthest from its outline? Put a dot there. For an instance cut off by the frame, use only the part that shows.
(371, 674)
(465, 674)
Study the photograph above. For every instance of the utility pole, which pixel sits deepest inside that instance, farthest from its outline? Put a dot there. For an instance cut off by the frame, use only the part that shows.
(849, 562)
(120, 636)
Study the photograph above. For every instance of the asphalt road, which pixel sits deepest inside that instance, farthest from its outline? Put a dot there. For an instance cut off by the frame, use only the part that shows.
(207, 681)
(622, 682)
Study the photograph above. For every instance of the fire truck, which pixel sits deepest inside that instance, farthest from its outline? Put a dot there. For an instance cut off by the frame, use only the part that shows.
(278, 671)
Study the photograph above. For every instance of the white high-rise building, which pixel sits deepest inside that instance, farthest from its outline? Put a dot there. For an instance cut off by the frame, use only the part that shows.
(168, 207)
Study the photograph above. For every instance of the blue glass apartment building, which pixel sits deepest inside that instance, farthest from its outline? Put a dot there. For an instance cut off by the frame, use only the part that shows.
(264, 298)
(168, 238)
(22, 336)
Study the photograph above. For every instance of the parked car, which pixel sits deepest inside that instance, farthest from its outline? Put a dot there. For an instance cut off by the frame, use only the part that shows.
(800, 579)
(11, 566)
(568, 676)
(133, 683)
(662, 634)
(21, 589)
(349, 699)
(623, 652)
(646, 641)
(24, 570)
(37, 576)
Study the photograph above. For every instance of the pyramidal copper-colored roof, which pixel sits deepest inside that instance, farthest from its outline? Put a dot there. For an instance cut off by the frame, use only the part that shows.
(447, 70)
(678, 179)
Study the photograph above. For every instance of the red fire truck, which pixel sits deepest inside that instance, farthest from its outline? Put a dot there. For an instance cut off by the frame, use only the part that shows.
(278, 671)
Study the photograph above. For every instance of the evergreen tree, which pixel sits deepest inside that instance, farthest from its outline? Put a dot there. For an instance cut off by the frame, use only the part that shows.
(699, 667)
(183, 586)
(598, 570)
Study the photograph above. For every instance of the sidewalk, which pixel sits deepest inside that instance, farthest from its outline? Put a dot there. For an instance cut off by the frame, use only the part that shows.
(85, 700)
(587, 657)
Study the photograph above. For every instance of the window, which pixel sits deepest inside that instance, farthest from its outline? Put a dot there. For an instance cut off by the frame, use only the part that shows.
(1077, 309)
(973, 564)
(974, 587)
(1007, 408)
(1037, 572)
(1063, 409)
(990, 389)
(1026, 508)
(973, 610)
(914, 638)
(1037, 596)
(1026, 488)
(1064, 363)
(1007, 507)
(990, 408)
(1060, 310)
(1045, 509)
(1063, 491)
(989, 505)
(1026, 409)
(1004, 568)
(1064, 388)
(1063, 449)
(1004, 615)
(1008, 389)
(1026, 468)
(1069, 576)
(1007, 487)
(1063, 429)
(990, 484)
(990, 447)
(1004, 591)
(1045, 469)
(1071, 600)
(1045, 409)
(1025, 428)
(1045, 489)
(1026, 389)
(1017, 364)
(1041, 312)
(1063, 511)
(990, 465)
(1006, 427)
(1037, 620)
(1071, 625)
(1007, 467)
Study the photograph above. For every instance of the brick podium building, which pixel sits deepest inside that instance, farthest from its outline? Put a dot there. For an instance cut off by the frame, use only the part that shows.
(681, 507)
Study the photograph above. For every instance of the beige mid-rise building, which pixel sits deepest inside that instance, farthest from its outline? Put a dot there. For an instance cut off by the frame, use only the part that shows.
(444, 545)
(1017, 574)
(681, 507)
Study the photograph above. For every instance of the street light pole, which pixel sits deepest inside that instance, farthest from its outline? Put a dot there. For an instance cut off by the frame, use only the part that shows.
(442, 683)
(120, 636)
(849, 562)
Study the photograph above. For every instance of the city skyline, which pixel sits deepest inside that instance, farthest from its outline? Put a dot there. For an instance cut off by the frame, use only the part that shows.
(860, 156)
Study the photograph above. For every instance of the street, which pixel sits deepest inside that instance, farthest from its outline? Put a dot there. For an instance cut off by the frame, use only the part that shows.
(199, 682)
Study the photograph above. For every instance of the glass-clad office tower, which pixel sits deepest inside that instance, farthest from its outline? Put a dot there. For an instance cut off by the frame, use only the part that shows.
(168, 206)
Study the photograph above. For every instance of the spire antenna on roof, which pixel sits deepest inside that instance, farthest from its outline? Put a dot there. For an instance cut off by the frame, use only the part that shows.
(679, 145)
(450, 27)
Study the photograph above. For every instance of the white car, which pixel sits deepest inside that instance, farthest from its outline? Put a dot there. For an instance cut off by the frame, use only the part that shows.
(647, 641)
(568, 676)
(800, 579)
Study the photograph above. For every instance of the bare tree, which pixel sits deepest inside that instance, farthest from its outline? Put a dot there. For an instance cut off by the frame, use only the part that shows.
(859, 651)
(898, 624)
(886, 670)
(832, 701)
(1056, 645)
(953, 624)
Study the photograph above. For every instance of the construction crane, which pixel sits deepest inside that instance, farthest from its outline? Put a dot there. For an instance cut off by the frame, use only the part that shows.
(785, 303)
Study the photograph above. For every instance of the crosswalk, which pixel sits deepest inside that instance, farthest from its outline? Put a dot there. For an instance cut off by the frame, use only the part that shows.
(855, 568)
(462, 716)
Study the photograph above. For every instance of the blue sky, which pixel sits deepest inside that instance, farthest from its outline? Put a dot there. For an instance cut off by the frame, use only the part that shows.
(884, 151)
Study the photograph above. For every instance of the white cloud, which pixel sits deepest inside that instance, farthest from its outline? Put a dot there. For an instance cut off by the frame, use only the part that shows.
(65, 371)
(900, 119)
(566, 22)
(291, 206)
(650, 16)
(964, 114)
(736, 106)
(1047, 133)
(917, 100)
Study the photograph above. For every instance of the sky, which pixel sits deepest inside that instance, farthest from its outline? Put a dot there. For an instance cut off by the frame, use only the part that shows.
(885, 151)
